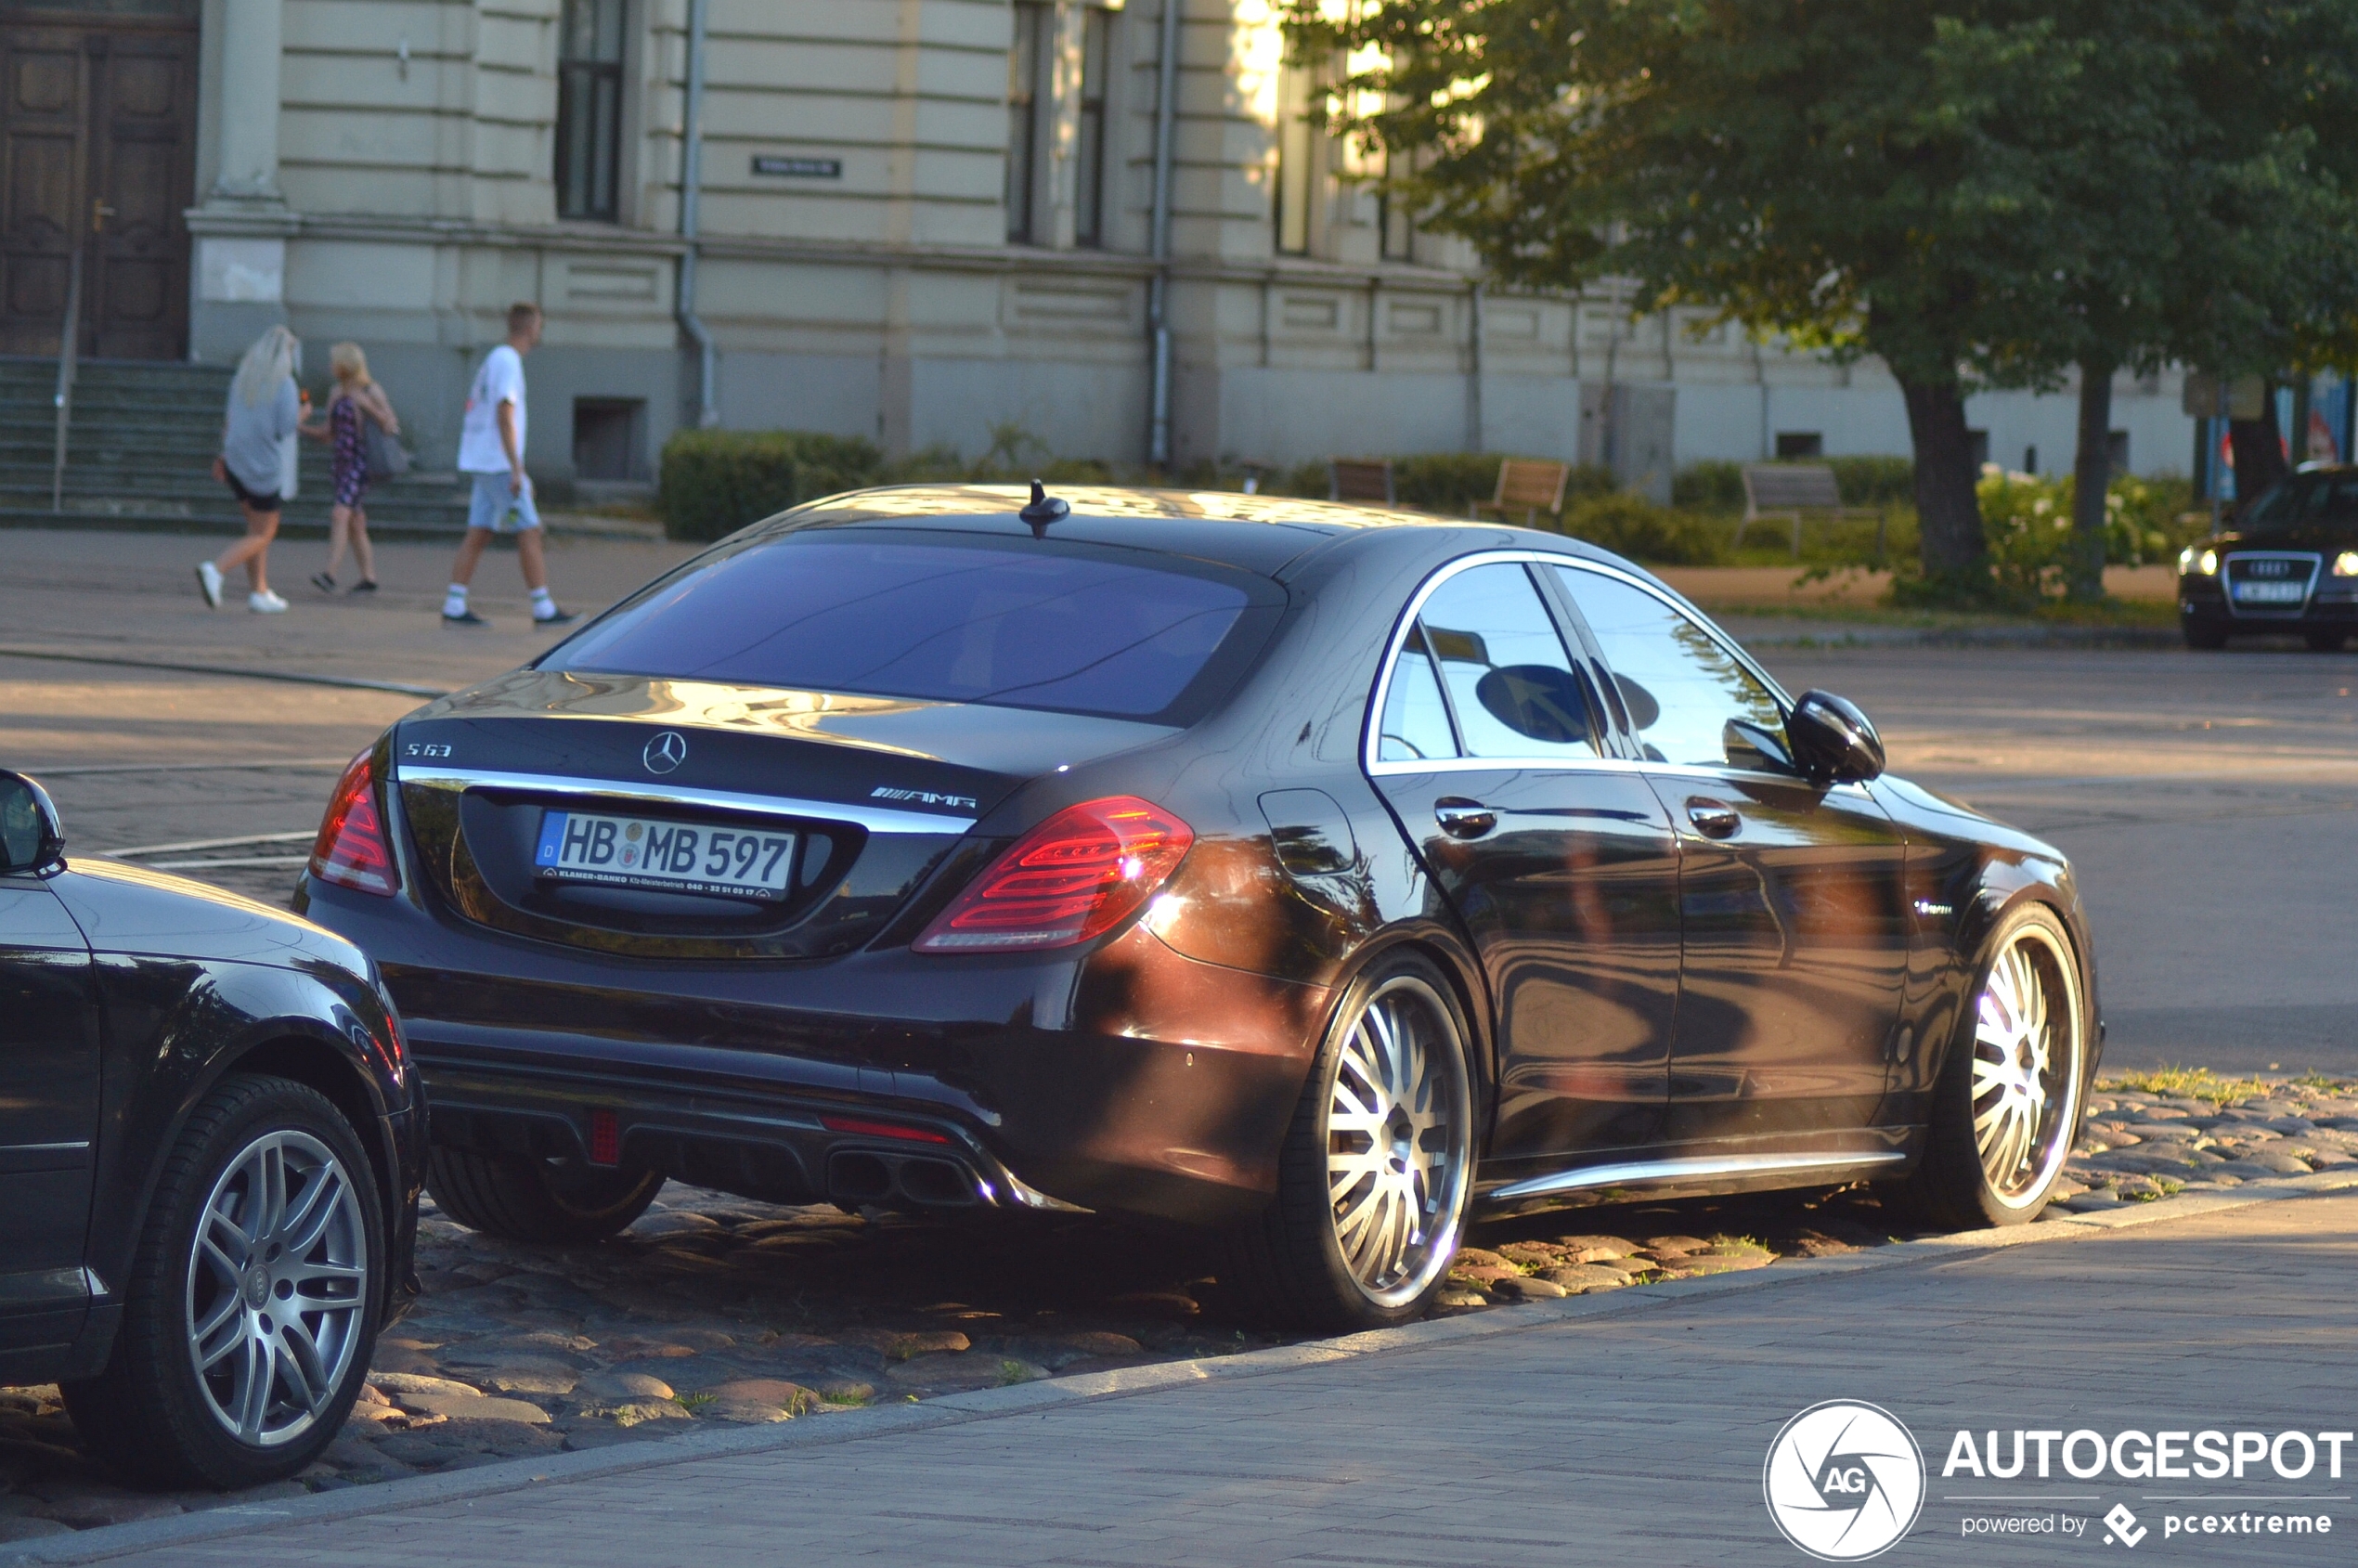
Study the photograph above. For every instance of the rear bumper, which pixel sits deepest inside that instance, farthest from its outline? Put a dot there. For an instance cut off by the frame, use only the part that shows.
(1127, 1079)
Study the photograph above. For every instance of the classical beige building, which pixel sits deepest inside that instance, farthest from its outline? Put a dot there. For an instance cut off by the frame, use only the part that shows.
(928, 222)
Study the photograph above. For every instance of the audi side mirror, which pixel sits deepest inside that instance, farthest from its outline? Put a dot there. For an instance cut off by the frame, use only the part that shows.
(1833, 741)
(31, 839)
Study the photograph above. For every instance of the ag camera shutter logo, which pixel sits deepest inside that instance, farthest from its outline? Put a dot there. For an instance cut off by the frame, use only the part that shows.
(1843, 1480)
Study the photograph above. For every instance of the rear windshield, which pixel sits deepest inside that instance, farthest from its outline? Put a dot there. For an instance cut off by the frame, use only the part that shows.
(2304, 500)
(1039, 624)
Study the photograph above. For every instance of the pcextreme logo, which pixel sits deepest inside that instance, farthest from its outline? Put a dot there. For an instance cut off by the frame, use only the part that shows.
(1843, 1480)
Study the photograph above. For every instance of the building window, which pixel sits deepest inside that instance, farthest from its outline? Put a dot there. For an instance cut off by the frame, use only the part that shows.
(1297, 160)
(1395, 226)
(608, 434)
(1026, 63)
(1800, 444)
(1089, 170)
(589, 110)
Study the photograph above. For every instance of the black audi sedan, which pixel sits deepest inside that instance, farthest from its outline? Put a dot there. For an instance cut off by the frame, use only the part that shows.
(2289, 568)
(210, 1147)
(1310, 874)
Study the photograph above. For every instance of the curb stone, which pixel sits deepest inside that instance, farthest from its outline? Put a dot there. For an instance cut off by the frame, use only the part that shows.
(958, 1409)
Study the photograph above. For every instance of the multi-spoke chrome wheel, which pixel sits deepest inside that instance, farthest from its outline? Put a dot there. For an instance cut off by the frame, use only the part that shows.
(2026, 1066)
(1397, 1141)
(278, 1288)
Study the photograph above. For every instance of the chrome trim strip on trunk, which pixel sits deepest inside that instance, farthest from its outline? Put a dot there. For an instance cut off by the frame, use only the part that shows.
(875, 819)
(1652, 1173)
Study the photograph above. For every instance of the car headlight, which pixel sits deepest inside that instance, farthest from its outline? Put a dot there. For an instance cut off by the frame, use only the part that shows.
(2346, 564)
(2206, 562)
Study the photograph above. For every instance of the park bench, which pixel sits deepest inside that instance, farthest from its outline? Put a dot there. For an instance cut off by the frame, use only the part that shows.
(1791, 490)
(1359, 479)
(1527, 486)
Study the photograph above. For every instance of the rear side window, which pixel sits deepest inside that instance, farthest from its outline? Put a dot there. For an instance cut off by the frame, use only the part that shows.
(1484, 673)
(1068, 627)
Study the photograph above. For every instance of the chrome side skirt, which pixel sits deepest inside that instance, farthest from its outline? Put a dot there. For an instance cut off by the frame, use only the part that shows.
(1673, 1172)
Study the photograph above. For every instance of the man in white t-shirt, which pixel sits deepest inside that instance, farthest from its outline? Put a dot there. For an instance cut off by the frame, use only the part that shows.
(491, 452)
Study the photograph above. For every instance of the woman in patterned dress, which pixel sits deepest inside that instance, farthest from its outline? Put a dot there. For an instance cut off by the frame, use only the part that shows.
(355, 397)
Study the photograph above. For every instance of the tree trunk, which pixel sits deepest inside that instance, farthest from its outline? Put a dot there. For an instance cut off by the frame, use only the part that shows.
(2090, 476)
(1948, 512)
(2259, 447)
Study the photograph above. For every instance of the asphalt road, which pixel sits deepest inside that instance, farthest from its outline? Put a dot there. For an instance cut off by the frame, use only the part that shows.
(2210, 800)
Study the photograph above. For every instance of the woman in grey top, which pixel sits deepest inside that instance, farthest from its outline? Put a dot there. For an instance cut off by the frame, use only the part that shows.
(265, 410)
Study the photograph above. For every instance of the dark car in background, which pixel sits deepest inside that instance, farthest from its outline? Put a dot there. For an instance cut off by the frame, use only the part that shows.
(209, 1150)
(1306, 873)
(2290, 567)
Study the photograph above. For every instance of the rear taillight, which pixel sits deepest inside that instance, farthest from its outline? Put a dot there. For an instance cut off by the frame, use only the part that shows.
(1076, 876)
(352, 852)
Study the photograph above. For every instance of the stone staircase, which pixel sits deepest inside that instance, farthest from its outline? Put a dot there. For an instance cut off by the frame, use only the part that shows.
(141, 452)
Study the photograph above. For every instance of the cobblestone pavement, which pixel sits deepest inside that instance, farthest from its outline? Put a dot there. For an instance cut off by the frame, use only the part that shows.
(718, 1310)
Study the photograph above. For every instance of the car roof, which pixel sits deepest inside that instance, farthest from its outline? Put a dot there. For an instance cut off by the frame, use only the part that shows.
(1261, 533)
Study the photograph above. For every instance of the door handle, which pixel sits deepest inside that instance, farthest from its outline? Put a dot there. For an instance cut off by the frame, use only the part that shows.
(1713, 819)
(1464, 819)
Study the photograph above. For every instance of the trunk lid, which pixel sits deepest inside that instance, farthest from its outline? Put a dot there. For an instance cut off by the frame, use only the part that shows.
(872, 792)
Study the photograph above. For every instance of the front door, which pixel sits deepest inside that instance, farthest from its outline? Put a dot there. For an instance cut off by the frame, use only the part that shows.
(48, 1114)
(1795, 917)
(1560, 861)
(98, 148)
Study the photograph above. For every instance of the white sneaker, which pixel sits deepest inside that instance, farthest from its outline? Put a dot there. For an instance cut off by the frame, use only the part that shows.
(209, 583)
(265, 603)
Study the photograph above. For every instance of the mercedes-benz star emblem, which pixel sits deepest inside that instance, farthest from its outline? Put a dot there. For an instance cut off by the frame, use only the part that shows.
(666, 752)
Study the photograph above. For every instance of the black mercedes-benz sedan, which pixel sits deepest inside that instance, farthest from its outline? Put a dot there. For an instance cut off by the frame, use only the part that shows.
(210, 1146)
(1306, 873)
(2290, 567)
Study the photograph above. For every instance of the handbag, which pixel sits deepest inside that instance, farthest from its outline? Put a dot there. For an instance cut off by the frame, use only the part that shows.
(387, 458)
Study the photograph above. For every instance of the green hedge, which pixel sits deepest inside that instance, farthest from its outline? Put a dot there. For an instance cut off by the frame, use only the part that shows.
(1717, 485)
(714, 482)
(1447, 483)
(1629, 524)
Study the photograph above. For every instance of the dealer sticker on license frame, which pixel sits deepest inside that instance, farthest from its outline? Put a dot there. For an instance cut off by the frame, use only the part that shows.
(673, 857)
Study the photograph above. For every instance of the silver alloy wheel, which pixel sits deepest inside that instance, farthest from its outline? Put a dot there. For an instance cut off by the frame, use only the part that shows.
(2027, 1066)
(1398, 1142)
(278, 1288)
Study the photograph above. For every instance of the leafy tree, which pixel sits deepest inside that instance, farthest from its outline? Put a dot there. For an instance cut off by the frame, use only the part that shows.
(1979, 194)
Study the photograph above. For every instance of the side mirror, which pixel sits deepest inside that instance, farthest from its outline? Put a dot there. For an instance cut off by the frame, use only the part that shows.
(1833, 741)
(31, 839)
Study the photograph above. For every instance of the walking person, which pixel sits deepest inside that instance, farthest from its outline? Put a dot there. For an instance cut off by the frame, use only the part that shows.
(491, 448)
(257, 443)
(356, 398)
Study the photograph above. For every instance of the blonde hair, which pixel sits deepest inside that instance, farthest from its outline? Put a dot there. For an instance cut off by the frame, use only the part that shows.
(347, 363)
(274, 356)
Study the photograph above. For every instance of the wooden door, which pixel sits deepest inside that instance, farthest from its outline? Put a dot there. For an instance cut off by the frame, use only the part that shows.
(98, 144)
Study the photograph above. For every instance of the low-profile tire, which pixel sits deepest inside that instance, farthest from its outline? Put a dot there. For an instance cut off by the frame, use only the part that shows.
(1377, 1168)
(2327, 642)
(2209, 639)
(520, 1197)
(251, 1305)
(2006, 1109)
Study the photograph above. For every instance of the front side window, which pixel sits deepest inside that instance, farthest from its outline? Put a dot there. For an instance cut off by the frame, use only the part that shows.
(1680, 685)
(1026, 73)
(1509, 687)
(1066, 628)
(589, 109)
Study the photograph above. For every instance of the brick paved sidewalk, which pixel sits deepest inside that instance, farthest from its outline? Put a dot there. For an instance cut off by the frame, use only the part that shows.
(1629, 1428)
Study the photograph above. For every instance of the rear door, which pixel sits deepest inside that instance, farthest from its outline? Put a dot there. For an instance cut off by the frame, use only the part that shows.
(1794, 915)
(1492, 752)
(48, 1114)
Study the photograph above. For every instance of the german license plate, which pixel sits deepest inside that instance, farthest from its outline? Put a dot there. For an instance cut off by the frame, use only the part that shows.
(675, 857)
(2271, 593)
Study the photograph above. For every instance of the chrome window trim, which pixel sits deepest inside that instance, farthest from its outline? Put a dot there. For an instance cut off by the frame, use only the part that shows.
(874, 819)
(1372, 737)
(2314, 560)
(1654, 1171)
